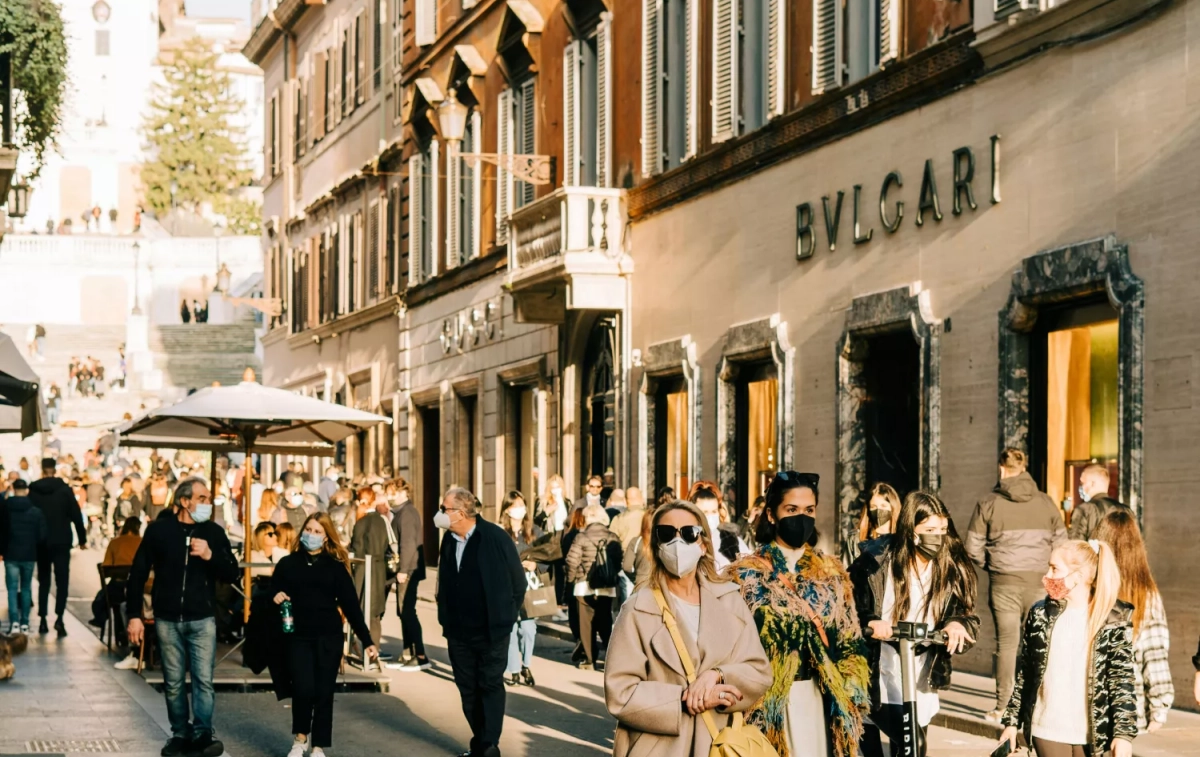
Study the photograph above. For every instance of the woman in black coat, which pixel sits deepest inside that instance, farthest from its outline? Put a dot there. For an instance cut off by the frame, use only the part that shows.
(921, 574)
(315, 578)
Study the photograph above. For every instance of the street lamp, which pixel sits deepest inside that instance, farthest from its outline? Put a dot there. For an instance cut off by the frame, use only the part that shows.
(18, 199)
(137, 299)
(452, 124)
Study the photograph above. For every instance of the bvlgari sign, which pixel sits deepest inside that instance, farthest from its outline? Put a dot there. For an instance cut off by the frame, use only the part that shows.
(891, 208)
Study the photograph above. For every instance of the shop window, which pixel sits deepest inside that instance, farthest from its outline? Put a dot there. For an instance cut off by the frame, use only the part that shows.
(672, 435)
(599, 408)
(387, 441)
(468, 466)
(891, 410)
(1074, 392)
(522, 439)
(757, 430)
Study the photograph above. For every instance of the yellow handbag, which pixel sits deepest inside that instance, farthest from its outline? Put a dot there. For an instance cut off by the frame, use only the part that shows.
(735, 740)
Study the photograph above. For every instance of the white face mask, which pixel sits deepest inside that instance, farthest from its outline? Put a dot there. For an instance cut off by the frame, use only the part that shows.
(516, 513)
(679, 557)
(441, 520)
(714, 521)
(297, 499)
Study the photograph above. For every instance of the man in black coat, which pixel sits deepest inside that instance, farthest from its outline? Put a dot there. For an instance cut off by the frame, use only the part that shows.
(1093, 489)
(189, 554)
(371, 536)
(406, 522)
(21, 536)
(481, 586)
(54, 498)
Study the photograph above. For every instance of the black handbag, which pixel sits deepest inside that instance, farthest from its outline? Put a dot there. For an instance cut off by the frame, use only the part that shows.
(391, 556)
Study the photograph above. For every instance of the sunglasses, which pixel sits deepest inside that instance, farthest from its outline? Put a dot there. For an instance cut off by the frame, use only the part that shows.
(804, 479)
(667, 534)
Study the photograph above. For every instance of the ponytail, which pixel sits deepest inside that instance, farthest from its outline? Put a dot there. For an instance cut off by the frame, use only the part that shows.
(1105, 588)
(1095, 562)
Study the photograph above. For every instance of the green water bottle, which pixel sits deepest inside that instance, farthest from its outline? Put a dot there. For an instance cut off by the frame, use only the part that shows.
(289, 623)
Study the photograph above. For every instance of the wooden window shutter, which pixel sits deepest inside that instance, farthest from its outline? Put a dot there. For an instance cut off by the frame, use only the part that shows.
(397, 32)
(888, 24)
(453, 209)
(391, 239)
(691, 22)
(504, 181)
(360, 60)
(312, 105)
(327, 86)
(528, 127)
(426, 22)
(651, 87)
(415, 209)
(725, 69)
(434, 241)
(276, 135)
(474, 244)
(604, 101)
(571, 110)
(776, 23)
(827, 45)
(373, 249)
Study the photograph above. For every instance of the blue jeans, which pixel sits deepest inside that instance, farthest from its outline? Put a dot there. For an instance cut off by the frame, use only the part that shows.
(18, 576)
(520, 646)
(188, 646)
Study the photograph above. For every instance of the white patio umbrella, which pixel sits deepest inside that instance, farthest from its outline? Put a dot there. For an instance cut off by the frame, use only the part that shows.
(248, 418)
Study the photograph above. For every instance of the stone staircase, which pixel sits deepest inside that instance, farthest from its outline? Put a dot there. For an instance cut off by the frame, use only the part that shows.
(194, 355)
(82, 419)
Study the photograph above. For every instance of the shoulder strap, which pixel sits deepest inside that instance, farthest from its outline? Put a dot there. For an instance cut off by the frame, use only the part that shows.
(688, 668)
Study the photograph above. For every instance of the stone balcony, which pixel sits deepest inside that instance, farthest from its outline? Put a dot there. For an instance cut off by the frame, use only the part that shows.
(567, 252)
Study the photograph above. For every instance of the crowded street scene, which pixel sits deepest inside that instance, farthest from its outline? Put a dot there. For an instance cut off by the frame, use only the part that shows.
(571, 378)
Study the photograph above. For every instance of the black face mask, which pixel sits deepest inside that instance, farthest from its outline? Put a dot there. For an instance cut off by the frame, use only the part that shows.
(796, 530)
(931, 545)
(880, 516)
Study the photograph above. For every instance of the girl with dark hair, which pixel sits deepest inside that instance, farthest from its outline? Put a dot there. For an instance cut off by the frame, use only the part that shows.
(315, 578)
(517, 521)
(665, 496)
(729, 546)
(1151, 639)
(922, 575)
(881, 513)
(803, 605)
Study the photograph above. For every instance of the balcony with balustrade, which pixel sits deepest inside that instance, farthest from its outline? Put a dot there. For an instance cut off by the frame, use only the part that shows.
(567, 251)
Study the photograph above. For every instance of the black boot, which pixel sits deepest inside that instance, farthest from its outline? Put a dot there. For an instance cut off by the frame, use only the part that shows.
(43, 627)
(61, 628)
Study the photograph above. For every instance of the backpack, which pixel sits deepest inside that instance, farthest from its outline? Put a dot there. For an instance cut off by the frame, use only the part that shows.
(605, 571)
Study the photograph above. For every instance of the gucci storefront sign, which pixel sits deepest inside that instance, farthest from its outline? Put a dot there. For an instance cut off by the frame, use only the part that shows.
(891, 209)
(470, 328)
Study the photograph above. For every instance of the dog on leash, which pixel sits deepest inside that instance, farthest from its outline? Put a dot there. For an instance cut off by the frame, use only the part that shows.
(10, 647)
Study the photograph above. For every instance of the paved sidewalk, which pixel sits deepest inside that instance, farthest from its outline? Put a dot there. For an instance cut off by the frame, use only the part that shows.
(971, 696)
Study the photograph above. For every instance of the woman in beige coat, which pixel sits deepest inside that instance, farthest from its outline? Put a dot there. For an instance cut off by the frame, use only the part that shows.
(645, 686)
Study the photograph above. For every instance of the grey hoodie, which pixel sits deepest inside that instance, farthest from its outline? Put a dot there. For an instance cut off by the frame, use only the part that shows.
(1015, 528)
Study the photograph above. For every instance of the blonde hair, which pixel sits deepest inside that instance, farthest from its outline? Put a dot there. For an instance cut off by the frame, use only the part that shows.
(595, 514)
(707, 566)
(1095, 562)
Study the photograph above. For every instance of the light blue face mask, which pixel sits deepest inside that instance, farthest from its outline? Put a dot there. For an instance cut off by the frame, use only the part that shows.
(1084, 496)
(202, 513)
(311, 542)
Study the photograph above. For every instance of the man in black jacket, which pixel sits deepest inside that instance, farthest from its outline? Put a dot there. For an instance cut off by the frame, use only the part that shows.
(22, 536)
(1093, 489)
(481, 586)
(58, 504)
(406, 522)
(189, 554)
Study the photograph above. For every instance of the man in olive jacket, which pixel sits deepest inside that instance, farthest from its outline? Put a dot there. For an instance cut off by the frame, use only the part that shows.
(1012, 533)
(481, 586)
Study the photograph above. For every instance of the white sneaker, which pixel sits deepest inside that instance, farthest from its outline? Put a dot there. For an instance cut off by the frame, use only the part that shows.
(298, 748)
(24, 628)
(318, 752)
(129, 663)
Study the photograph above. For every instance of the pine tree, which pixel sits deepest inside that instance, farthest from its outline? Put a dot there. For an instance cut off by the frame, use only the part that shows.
(193, 138)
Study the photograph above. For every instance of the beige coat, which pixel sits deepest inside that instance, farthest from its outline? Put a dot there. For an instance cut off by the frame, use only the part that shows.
(644, 678)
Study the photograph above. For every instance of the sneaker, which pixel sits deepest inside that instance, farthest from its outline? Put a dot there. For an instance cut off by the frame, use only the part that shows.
(206, 746)
(176, 747)
(584, 666)
(386, 657)
(994, 716)
(129, 663)
(415, 665)
(298, 748)
(24, 628)
(318, 752)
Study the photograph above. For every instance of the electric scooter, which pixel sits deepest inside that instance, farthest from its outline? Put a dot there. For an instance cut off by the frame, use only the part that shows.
(909, 636)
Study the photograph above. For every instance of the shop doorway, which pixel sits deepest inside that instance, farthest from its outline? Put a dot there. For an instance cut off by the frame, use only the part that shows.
(430, 488)
(466, 443)
(891, 410)
(521, 437)
(600, 400)
(672, 441)
(756, 431)
(1073, 391)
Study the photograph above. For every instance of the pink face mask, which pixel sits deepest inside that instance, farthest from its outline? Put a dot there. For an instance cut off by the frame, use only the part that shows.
(1056, 588)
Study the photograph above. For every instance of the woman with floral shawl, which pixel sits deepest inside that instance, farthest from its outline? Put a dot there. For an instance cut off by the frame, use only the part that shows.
(803, 604)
